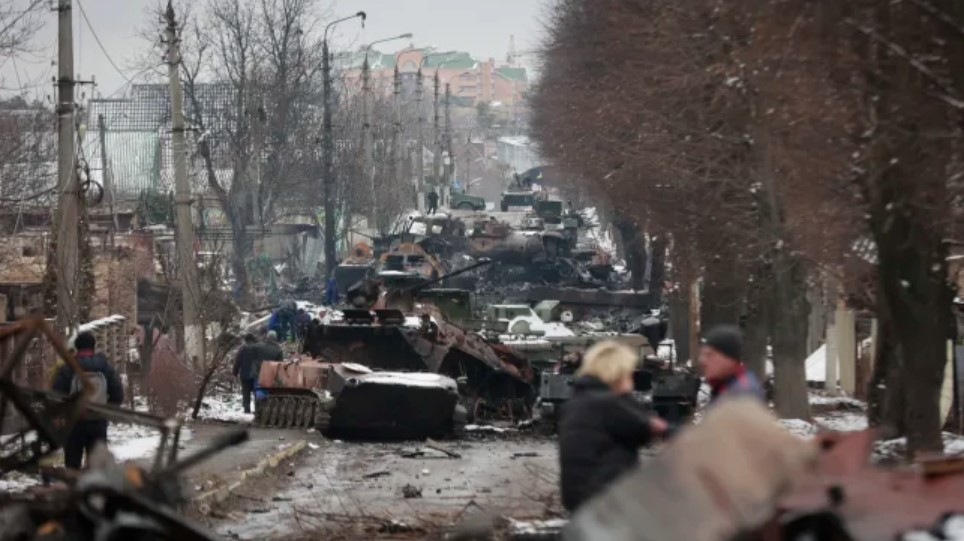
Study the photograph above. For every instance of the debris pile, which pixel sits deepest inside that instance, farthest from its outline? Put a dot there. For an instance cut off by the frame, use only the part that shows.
(108, 500)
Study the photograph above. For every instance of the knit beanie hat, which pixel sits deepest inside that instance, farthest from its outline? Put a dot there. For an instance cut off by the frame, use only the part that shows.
(726, 339)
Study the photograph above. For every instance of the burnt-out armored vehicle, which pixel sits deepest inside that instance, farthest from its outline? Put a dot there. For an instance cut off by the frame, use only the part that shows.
(671, 390)
(386, 371)
(354, 401)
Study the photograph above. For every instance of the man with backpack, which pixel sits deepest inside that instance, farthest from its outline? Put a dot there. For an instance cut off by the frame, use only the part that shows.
(108, 389)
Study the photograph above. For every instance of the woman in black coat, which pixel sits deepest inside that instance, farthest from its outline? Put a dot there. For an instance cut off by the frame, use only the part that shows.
(602, 426)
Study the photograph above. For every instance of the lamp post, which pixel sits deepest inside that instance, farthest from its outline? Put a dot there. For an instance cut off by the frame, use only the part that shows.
(328, 147)
(420, 157)
(437, 164)
(368, 165)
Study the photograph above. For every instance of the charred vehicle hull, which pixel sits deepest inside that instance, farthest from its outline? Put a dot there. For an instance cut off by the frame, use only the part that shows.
(347, 400)
(492, 380)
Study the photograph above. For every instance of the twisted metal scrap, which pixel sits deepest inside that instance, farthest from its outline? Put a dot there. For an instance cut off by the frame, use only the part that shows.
(51, 421)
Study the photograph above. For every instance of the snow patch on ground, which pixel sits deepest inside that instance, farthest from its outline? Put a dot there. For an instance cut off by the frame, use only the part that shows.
(895, 449)
(226, 408)
(133, 442)
(951, 530)
(799, 427)
(16, 482)
(487, 428)
(843, 421)
(837, 401)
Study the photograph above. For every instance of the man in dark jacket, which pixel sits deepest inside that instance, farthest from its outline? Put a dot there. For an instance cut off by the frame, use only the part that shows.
(244, 365)
(602, 426)
(432, 202)
(720, 359)
(269, 350)
(108, 389)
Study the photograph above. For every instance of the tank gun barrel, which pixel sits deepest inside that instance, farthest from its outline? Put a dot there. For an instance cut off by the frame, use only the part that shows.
(481, 263)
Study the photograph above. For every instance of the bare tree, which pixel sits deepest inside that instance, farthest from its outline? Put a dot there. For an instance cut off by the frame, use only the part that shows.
(19, 21)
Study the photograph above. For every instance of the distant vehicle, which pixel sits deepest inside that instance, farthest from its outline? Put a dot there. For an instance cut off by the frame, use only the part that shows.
(518, 201)
(516, 319)
(464, 201)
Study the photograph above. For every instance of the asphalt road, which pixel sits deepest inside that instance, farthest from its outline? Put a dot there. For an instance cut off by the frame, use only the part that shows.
(343, 490)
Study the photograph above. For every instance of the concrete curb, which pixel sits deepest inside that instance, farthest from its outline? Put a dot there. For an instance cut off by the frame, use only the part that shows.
(204, 500)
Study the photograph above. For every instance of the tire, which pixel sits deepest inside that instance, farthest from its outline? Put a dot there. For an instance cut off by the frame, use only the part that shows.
(465, 205)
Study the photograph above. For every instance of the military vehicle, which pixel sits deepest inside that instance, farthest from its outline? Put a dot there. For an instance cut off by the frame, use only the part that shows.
(670, 391)
(353, 401)
(357, 266)
(385, 334)
(464, 201)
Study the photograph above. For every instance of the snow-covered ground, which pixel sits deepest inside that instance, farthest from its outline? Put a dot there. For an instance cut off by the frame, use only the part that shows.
(226, 408)
(133, 442)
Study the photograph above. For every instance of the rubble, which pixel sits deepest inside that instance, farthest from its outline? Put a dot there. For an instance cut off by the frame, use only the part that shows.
(107, 499)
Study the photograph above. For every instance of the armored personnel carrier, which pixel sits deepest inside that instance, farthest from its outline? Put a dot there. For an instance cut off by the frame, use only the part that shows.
(353, 401)
(394, 368)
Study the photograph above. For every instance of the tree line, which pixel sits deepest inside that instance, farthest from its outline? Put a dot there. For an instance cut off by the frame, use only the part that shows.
(765, 140)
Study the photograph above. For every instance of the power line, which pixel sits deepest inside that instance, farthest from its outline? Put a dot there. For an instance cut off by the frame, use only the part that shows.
(100, 44)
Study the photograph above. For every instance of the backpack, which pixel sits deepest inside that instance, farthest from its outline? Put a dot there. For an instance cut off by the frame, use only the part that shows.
(99, 381)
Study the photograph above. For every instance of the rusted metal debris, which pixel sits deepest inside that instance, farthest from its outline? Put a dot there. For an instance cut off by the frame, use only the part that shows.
(105, 501)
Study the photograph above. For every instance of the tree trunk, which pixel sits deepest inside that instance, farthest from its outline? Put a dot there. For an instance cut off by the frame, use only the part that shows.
(658, 274)
(635, 248)
(756, 337)
(722, 296)
(679, 325)
(919, 300)
(240, 254)
(885, 403)
(787, 310)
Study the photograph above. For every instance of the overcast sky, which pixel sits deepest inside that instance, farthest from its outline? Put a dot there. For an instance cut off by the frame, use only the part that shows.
(481, 27)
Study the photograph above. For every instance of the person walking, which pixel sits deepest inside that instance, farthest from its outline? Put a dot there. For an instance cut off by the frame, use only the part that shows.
(432, 202)
(602, 426)
(108, 389)
(331, 290)
(722, 365)
(244, 365)
(269, 350)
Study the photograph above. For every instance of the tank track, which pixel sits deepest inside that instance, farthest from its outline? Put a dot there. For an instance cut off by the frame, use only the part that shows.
(293, 411)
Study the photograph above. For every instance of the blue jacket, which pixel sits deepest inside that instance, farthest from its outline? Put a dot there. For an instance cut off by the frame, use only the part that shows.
(742, 383)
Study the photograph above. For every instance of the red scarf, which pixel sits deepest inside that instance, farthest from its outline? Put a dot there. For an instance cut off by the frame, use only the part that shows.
(720, 385)
(84, 353)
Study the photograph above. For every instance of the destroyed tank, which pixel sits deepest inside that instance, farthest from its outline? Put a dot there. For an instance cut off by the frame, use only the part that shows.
(353, 401)
(386, 335)
(357, 266)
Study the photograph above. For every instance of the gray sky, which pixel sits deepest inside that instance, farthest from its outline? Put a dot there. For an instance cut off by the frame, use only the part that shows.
(481, 27)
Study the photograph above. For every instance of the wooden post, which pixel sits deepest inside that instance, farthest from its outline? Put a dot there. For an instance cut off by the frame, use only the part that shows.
(694, 292)
(831, 384)
(846, 348)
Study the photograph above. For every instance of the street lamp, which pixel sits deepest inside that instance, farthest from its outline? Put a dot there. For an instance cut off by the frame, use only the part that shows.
(368, 165)
(420, 157)
(329, 147)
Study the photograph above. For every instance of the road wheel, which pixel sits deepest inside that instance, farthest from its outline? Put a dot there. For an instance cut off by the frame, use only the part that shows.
(465, 205)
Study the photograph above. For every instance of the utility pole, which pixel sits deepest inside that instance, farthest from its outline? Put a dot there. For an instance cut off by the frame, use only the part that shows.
(437, 158)
(190, 292)
(420, 145)
(449, 163)
(105, 172)
(68, 188)
(368, 165)
(397, 127)
(328, 147)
